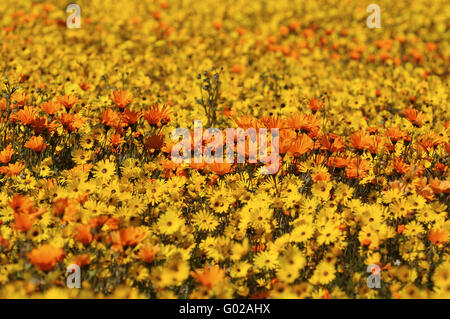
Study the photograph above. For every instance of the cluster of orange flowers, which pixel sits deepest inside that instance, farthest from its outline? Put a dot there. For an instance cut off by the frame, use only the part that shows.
(87, 176)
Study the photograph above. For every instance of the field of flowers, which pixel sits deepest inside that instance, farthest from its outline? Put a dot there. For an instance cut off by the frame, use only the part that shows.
(87, 178)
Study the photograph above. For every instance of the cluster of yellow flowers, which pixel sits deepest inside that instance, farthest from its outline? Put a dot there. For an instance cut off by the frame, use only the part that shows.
(87, 178)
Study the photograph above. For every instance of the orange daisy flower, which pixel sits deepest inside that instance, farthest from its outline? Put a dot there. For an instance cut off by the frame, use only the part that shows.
(130, 117)
(332, 143)
(59, 206)
(23, 222)
(360, 140)
(315, 104)
(220, 168)
(19, 99)
(68, 101)
(46, 257)
(26, 115)
(12, 169)
(36, 143)
(157, 116)
(82, 260)
(247, 121)
(122, 98)
(395, 134)
(72, 122)
(111, 118)
(40, 124)
(438, 237)
(21, 204)
(126, 237)
(6, 154)
(357, 168)
(50, 107)
(303, 122)
(414, 116)
(84, 234)
(117, 140)
(209, 276)
(148, 253)
(302, 145)
(270, 122)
